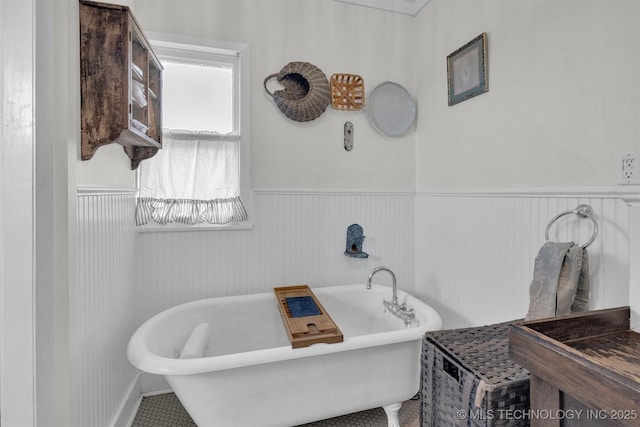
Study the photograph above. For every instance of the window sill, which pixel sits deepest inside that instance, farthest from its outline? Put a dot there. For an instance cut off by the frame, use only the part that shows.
(156, 228)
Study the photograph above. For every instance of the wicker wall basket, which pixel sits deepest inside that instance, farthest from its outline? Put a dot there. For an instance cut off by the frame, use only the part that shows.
(306, 94)
(347, 92)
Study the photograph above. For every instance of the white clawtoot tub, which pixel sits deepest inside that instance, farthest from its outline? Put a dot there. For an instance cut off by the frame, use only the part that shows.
(250, 376)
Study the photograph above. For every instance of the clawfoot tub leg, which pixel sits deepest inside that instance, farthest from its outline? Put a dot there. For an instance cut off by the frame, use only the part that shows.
(392, 414)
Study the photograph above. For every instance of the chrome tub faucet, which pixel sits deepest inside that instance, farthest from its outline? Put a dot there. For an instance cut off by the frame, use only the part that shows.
(399, 310)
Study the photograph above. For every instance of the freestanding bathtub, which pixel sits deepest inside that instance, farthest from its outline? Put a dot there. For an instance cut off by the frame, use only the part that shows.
(250, 376)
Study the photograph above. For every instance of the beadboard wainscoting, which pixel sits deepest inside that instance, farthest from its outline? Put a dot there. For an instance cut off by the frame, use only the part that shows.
(469, 254)
(103, 307)
(297, 238)
(475, 252)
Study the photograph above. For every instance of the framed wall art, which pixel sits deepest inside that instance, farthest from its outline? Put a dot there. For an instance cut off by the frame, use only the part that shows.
(467, 70)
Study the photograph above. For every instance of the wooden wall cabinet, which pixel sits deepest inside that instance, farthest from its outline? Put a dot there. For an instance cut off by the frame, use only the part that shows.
(120, 83)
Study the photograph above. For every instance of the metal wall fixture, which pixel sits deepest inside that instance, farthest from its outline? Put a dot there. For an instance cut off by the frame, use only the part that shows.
(583, 211)
(348, 136)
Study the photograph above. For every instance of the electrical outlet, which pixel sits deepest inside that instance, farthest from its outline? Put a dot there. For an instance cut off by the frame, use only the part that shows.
(629, 168)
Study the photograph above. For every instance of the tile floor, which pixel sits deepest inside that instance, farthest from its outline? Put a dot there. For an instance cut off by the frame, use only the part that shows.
(165, 410)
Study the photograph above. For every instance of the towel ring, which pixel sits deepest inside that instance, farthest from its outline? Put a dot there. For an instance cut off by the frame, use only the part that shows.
(583, 211)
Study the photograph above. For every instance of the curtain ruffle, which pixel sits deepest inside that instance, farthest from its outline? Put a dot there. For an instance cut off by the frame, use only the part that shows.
(191, 212)
(194, 179)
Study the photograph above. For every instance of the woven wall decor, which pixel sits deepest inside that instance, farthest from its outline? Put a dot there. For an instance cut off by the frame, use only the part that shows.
(347, 92)
(306, 92)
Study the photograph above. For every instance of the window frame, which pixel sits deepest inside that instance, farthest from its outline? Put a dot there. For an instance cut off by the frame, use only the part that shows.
(187, 49)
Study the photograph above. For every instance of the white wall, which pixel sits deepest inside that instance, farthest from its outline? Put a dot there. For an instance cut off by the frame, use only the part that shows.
(560, 110)
(471, 255)
(337, 38)
(109, 167)
(298, 238)
(56, 132)
(37, 269)
(562, 102)
(17, 137)
(104, 307)
(475, 251)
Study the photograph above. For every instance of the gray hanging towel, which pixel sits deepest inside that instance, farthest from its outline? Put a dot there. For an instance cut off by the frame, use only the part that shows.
(560, 282)
(581, 300)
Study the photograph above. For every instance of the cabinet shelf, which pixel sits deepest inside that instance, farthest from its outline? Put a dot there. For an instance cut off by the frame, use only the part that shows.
(137, 73)
(120, 83)
(135, 138)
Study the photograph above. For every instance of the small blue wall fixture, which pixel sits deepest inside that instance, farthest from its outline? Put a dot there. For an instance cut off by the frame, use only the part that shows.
(355, 237)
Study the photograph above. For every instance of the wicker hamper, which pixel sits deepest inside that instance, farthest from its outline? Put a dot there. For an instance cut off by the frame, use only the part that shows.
(468, 379)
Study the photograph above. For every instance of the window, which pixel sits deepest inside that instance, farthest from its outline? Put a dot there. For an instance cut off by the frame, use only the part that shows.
(207, 90)
(201, 176)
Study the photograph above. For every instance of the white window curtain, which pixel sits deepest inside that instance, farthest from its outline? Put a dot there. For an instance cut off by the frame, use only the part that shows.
(194, 179)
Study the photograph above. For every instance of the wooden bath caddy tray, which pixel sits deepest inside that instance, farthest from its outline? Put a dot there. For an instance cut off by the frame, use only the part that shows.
(305, 319)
